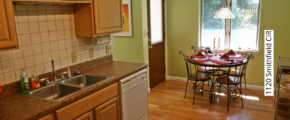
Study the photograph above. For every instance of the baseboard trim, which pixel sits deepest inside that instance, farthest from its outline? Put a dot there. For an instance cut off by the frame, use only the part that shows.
(253, 87)
(149, 90)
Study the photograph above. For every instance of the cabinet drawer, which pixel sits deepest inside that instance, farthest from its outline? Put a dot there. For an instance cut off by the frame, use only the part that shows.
(88, 103)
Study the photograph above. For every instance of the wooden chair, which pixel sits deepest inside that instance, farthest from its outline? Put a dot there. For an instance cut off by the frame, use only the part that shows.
(196, 78)
(232, 82)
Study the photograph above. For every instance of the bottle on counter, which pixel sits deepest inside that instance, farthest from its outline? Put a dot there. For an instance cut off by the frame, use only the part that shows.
(35, 83)
(24, 82)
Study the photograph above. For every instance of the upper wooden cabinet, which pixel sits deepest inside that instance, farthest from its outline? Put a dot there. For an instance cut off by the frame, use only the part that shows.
(8, 35)
(99, 18)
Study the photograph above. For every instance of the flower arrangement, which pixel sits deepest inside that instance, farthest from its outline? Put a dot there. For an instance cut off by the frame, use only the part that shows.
(207, 48)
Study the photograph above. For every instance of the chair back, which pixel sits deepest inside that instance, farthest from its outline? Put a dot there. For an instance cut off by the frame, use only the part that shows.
(188, 68)
(242, 68)
(195, 49)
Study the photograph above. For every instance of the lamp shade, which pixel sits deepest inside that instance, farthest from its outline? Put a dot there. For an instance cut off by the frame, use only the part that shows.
(224, 12)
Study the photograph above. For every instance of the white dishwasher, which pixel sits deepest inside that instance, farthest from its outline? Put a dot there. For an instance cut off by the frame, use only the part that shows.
(134, 96)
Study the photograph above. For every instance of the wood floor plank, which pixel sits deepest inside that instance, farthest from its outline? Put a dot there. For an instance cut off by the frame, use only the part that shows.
(167, 102)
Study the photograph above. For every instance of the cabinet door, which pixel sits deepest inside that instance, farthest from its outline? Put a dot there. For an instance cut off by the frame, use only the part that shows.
(109, 110)
(49, 117)
(108, 16)
(87, 116)
(8, 36)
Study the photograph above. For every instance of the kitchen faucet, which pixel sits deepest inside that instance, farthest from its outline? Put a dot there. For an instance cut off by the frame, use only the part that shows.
(54, 76)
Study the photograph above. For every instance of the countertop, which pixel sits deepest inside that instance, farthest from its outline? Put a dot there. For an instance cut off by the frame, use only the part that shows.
(19, 107)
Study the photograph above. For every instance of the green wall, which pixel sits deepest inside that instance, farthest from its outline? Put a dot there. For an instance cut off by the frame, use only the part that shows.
(182, 33)
(130, 49)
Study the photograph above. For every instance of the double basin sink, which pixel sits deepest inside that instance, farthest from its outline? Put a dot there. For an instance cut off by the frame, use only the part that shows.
(65, 88)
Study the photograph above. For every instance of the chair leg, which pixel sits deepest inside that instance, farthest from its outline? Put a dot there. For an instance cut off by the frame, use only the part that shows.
(228, 97)
(194, 92)
(245, 85)
(220, 85)
(186, 88)
(241, 95)
(207, 83)
(202, 88)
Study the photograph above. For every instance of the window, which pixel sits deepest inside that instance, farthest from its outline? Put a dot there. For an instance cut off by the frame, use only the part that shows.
(241, 31)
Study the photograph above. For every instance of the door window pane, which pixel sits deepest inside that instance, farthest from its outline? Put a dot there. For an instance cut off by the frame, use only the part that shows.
(156, 21)
(212, 28)
(245, 26)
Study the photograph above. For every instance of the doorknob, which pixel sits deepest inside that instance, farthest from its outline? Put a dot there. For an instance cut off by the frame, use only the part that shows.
(149, 39)
(150, 47)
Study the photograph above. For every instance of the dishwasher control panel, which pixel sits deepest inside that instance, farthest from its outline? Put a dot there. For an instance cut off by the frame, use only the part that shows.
(133, 80)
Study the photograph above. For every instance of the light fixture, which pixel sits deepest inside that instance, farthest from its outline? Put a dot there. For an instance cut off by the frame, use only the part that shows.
(224, 12)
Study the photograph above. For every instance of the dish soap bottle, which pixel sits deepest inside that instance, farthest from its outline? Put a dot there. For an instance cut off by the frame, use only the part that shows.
(35, 82)
(24, 82)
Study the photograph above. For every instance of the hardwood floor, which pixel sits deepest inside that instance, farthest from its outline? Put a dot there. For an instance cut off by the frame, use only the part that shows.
(167, 102)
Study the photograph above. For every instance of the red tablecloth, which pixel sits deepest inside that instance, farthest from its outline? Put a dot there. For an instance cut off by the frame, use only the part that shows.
(215, 61)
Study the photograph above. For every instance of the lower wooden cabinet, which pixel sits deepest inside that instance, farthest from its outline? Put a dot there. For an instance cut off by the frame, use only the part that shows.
(87, 116)
(109, 110)
(89, 103)
(49, 117)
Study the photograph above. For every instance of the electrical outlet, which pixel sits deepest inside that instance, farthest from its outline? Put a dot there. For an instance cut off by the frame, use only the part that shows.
(91, 52)
(74, 57)
(108, 49)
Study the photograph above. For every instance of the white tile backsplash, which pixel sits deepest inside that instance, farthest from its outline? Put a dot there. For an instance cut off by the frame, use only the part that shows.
(2, 82)
(29, 61)
(44, 37)
(23, 28)
(45, 33)
(35, 38)
(38, 59)
(47, 57)
(43, 26)
(62, 54)
(45, 47)
(41, 15)
(7, 66)
(27, 50)
(9, 77)
(25, 39)
(55, 55)
(54, 45)
(17, 53)
(51, 26)
(61, 44)
(18, 63)
(37, 49)
(6, 55)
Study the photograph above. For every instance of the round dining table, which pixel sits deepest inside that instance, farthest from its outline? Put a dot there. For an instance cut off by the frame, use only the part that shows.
(215, 62)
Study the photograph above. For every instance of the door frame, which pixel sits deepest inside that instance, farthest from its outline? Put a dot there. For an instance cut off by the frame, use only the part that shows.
(149, 37)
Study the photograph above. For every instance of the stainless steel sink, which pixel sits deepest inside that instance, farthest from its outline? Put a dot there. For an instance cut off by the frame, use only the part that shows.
(65, 88)
(85, 80)
(54, 92)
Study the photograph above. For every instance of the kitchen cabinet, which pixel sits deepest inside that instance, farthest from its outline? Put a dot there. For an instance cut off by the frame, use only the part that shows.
(87, 116)
(109, 110)
(88, 103)
(101, 17)
(49, 117)
(8, 36)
